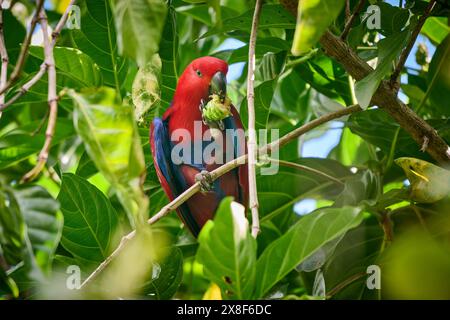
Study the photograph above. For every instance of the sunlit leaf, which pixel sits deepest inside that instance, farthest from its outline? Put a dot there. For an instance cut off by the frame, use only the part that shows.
(227, 251)
(139, 25)
(313, 19)
(302, 240)
(101, 121)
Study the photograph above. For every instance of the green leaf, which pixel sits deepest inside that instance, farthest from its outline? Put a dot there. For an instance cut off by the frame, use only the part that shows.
(20, 143)
(139, 25)
(97, 39)
(90, 221)
(14, 33)
(360, 188)
(168, 52)
(436, 29)
(263, 46)
(102, 122)
(266, 74)
(73, 64)
(378, 128)
(44, 223)
(166, 276)
(313, 19)
(429, 183)
(278, 193)
(272, 16)
(308, 235)
(389, 48)
(439, 79)
(393, 18)
(227, 251)
(146, 92)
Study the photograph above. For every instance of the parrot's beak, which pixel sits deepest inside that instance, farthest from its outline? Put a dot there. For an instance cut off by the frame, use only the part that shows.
(218, 85)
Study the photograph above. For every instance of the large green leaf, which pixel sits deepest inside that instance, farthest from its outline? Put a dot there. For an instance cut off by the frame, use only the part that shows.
(14, 33)
(263, 46)
(313, 19)
(97, 38)
(73, 64)
(90, 221)
(102, 122)
(227, 251)
(139, 25)
(388, 50)
(301, 241)
(44, 223)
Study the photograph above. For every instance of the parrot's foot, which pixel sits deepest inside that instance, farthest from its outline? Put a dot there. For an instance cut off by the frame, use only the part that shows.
(205, 179)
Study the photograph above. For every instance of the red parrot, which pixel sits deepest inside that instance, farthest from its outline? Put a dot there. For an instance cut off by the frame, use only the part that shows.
(177, 171)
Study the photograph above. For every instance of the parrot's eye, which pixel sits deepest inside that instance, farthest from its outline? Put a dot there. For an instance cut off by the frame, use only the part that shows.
(198, 73)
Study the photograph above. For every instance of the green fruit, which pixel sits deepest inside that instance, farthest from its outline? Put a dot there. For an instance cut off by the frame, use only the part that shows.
(216, 110)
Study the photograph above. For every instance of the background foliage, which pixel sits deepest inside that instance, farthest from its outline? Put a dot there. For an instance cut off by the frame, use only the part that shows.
(319, 235)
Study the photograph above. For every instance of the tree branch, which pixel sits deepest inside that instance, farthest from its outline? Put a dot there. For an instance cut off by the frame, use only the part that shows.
(407, 50)
(52, 101)
(43, 68)
(386, 98)
(4, 57)
(15, 75)
(251, 143)
(216, 174)
(351, 19)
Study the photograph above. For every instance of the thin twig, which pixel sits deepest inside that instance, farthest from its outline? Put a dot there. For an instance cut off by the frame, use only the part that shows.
(349, 22)
(306, 168)
(217, 173)
(52, 101)
(251, 143)
(410, 45)
(43, 68)
(15, 74)
(345, 283)
(4, 57)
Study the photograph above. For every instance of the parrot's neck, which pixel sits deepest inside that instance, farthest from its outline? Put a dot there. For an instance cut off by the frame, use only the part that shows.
(188, 117)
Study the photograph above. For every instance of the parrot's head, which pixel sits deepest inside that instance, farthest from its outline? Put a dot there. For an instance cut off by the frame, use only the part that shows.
(202, 78)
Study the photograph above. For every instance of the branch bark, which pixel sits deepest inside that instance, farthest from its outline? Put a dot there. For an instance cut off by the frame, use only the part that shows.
(386, 98)
(4, 57)
(217, 173)
(52, 100)
(251, 143)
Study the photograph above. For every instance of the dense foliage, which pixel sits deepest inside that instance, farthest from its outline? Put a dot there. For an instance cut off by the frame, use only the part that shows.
(354, 195)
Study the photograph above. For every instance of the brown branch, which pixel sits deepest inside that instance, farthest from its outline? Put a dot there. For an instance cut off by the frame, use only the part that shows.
(217, 173)
(251, 143)
(52, 101)
(4, 57)
(386, 98)
(43, 68)
(407, 50)
(351, 19)
(15, 74)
